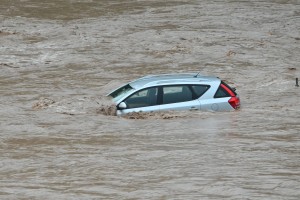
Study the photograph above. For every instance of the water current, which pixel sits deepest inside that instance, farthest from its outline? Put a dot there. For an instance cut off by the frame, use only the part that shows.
(59, 58)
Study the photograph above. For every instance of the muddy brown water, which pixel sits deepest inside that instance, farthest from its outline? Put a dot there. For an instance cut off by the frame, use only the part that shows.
(58, 59)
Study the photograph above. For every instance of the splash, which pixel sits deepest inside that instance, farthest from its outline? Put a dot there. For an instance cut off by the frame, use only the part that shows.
(5, 33)
(79, 105)
(43, 103)
(155, 115)
(107, 110)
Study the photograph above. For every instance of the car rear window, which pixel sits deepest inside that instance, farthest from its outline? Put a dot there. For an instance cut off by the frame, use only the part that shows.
(232, 89)
(221, 92)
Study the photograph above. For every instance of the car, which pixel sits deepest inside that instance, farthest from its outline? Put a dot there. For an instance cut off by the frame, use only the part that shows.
(182, 91)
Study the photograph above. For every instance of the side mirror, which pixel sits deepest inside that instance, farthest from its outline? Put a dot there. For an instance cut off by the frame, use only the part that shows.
(122, 105)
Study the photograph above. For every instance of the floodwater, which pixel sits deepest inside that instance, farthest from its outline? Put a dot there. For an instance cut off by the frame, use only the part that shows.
(59, 58)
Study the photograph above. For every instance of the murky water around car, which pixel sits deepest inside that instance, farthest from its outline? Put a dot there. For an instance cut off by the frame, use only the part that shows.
(59, 139)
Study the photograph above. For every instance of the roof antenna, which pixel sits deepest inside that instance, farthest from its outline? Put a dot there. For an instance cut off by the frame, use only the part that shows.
(196, 75)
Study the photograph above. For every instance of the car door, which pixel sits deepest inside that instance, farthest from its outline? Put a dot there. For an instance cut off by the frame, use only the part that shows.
(144, 100)
(178, 97)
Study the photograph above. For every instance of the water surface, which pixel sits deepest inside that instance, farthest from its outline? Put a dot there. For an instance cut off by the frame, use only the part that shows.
(58, 59)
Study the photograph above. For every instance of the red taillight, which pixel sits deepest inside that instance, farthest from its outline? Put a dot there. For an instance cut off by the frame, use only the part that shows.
(234, 102)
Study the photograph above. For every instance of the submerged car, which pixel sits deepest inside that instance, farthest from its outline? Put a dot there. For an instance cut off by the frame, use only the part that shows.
(188, 91)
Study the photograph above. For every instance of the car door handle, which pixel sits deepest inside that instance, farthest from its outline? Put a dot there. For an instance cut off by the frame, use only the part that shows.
(194, 108)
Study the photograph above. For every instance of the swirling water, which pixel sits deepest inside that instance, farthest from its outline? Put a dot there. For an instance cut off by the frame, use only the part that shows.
(58, 59)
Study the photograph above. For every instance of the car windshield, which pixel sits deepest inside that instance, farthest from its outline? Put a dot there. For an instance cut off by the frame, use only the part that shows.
(121, 92)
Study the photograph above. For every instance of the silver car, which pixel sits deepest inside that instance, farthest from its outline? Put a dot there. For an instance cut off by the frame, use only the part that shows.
(186, 91)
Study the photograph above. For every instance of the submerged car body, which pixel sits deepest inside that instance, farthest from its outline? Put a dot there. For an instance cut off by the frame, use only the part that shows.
(188, 91)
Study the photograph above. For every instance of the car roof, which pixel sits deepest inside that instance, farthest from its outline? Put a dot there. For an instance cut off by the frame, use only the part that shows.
(180, 78)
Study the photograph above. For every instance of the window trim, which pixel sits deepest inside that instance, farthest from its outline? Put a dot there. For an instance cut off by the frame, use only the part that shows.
(159, 99)
(194, 94)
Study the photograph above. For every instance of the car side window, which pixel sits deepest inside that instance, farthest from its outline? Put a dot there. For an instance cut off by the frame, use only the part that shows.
(199, 90)
(175, 94)
(143, 98)
(221, 92)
